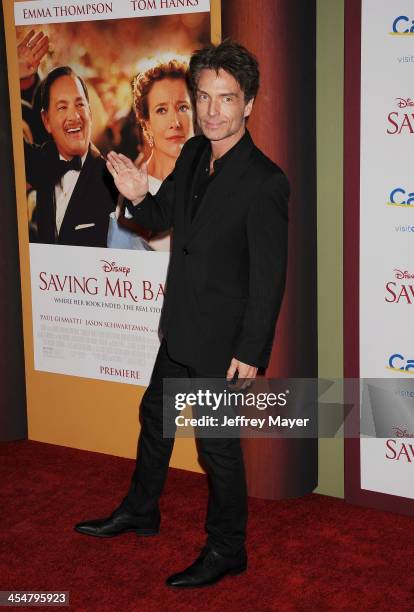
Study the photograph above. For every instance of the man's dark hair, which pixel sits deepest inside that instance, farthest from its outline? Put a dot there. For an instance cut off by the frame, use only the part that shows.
(53, 76)
(231, 57)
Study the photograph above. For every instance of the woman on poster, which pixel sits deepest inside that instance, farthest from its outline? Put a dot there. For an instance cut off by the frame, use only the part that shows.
(163, 109)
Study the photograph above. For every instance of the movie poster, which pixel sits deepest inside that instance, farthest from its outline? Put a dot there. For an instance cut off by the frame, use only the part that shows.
(96, 77)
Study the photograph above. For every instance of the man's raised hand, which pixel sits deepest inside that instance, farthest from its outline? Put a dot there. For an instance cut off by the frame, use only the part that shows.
(131, 182)
(30, 52)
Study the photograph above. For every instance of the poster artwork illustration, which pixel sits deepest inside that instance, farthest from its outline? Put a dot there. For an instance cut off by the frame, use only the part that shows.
(90, 83)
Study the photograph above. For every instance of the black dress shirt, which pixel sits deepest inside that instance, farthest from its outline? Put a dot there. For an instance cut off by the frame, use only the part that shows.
(202, 176)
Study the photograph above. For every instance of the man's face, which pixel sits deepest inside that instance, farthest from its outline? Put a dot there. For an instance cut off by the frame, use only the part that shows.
(221, 106)
(68, 118)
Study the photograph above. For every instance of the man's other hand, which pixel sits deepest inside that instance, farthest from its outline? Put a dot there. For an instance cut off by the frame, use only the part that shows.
(245, 373)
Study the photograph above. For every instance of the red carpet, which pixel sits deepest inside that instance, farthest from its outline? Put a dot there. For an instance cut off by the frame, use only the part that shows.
(314, 553)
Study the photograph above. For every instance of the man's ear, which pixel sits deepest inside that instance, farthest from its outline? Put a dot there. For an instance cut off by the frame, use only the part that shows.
(45, 120)
(248, 107)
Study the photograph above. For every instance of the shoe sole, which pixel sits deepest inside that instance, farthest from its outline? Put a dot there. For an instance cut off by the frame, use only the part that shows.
(138, 532)
(234, 572)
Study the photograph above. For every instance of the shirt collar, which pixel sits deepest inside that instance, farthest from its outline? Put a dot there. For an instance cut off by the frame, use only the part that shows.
(82, 158)
(218, 163)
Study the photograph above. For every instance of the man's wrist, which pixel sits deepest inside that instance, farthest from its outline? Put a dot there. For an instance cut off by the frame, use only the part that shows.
(27, 82)
(137, 201)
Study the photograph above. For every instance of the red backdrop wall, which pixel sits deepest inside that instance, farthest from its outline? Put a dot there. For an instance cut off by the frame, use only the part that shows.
(282, 35)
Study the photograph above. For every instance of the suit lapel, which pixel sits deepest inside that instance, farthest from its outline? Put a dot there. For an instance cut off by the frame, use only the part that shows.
(46, 195)
(47, 212)
(223, 184)
(187, 193)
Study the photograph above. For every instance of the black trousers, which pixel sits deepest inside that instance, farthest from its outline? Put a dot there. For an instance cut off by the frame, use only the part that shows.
(221, 458)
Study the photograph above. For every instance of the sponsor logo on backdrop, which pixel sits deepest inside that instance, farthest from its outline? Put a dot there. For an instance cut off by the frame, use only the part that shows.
(401, 197)
(399, 363)
(402, 26)
(405, 59)
(395, 450)
(401, 431)
(405, 393)
(400, 290)
(404, 229)
(401, 121)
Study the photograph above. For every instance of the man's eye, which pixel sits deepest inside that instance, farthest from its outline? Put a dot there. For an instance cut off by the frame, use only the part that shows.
(61, 108)
(202, 97)
(81, 104)
(228, 99)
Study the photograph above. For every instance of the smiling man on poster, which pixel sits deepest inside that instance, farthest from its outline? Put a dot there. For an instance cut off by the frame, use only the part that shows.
(227, 205)
(74, 191)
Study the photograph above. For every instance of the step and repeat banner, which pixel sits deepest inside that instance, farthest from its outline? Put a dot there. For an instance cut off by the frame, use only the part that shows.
(95, 77)
(386, 263)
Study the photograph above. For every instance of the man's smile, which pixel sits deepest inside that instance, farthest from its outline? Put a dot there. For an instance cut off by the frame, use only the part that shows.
(74, 132)
(211, 125)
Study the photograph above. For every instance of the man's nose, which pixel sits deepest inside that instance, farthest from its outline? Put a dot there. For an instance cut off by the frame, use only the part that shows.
(73, 112)
(213, 107)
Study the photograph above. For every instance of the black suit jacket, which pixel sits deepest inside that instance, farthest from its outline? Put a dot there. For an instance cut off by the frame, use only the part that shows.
(227, 269)
(93, 198)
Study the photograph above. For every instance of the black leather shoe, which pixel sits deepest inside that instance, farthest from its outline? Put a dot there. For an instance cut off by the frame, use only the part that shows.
(121, 521)
(210, 567)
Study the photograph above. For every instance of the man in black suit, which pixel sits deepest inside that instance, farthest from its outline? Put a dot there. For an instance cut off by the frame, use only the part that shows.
(227, 203)
(75, 193)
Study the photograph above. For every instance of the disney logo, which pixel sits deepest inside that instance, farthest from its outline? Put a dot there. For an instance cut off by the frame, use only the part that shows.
(404, 102)
(402, 432)
(111, 266)
(402, 274)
